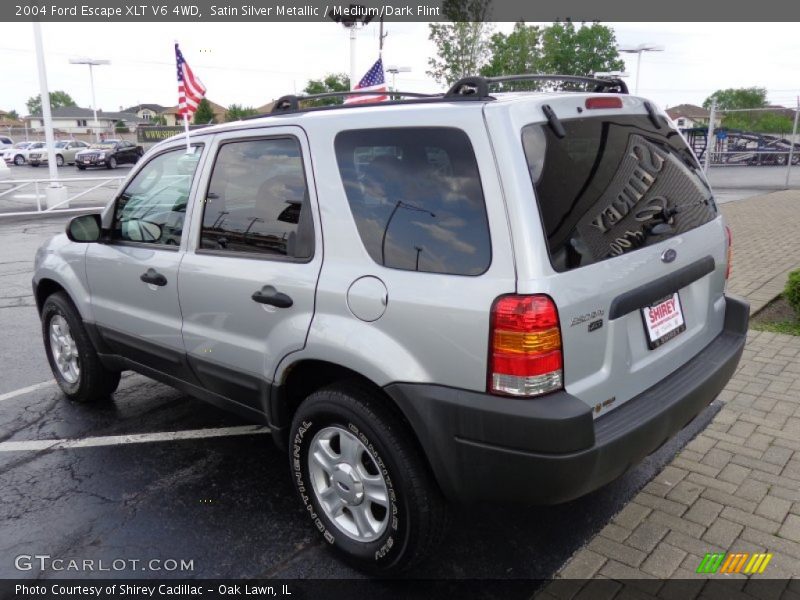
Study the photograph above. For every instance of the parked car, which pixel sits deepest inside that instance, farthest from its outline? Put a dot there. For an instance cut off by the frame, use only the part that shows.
(65, 151)
(5, 142)
(108, 154)
(521, 296)
(18, 153)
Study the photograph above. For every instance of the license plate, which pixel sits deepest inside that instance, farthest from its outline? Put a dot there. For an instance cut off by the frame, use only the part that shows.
(663, 321)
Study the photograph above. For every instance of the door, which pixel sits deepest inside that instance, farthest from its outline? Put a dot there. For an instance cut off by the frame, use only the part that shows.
(133, 278)
(633, 233)
(247, 287)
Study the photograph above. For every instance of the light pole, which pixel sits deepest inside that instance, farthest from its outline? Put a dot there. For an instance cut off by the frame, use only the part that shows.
(92, 62)
(356, 14)
(394, 70)
(637, 50)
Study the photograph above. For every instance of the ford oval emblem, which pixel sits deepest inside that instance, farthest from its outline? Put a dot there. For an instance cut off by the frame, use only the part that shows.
(669, 255)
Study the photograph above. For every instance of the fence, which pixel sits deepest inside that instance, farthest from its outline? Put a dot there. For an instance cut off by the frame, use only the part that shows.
(78, 188)
(27, 134)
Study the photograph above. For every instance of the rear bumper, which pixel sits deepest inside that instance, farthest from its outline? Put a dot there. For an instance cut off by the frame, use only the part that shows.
(551, 450)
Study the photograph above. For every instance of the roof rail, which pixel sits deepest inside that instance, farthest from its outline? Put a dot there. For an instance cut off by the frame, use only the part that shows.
(291, 103)
(478, 87)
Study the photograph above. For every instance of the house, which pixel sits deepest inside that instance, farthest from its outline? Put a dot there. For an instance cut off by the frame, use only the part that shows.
(689, 116)
(146, 112)
(172, 118)
(7, 120)
(75, 120)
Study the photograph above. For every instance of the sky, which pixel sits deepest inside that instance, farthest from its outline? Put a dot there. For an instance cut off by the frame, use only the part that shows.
(253, 63)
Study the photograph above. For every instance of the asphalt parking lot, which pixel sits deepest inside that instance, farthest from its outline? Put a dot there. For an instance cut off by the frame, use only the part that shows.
(24, 199)
(182, 480)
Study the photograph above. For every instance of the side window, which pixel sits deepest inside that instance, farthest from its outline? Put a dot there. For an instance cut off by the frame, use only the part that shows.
(257, 200)
(153, 206)
(416, 197)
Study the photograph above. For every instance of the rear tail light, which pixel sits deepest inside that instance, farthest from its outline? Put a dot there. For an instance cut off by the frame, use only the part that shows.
(525, 357)
(729, 238)
(604, 102)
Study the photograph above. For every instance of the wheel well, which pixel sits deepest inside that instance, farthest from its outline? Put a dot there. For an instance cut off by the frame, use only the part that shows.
(45, 288)
(308, 376)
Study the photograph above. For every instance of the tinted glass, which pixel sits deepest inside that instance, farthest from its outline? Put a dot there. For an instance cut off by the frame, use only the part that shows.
(416, 197)
(257, 198)
(153, 206)
(612, 185)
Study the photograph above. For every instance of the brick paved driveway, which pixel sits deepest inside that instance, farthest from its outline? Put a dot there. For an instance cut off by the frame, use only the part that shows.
(736, 486)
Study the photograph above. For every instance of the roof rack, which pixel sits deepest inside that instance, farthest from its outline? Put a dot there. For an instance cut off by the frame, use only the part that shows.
(291, 102)
(466, 89)
(476, 88)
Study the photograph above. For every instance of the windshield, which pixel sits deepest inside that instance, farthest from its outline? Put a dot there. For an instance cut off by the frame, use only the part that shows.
(22, 145)
(61, 144)
(103, 145)
(612, 185)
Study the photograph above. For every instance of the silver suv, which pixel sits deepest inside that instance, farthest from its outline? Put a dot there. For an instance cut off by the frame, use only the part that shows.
(476, 296)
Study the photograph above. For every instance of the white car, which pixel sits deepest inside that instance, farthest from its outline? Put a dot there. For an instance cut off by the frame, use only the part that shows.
(18, 153)
(5, 142)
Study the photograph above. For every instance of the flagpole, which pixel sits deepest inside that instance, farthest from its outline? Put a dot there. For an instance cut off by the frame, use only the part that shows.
(186, 128)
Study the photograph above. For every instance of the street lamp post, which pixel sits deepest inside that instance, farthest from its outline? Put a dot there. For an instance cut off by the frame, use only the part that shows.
(637, 50)
(92, 62)
(394, 70)
(355, 14)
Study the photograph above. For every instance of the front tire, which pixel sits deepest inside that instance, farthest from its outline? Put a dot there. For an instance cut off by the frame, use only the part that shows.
(59, 161)
(363, 480)
(19, 160)
(72, 357)
(112, 163)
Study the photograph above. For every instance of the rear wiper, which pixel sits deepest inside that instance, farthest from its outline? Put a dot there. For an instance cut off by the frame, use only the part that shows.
(651, 112)
(553, 121)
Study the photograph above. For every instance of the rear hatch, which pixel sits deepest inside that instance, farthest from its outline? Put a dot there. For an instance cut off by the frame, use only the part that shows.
(635, 250)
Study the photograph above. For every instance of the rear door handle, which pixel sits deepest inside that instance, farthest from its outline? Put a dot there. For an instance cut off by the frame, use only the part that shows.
(269, 295)
(154, 277)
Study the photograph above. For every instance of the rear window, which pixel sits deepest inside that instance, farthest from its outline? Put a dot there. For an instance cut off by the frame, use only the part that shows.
(612, 185)
(416, 198)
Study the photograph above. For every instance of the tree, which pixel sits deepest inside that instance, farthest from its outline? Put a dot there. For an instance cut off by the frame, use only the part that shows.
(742, 98)
(583, 51)
(12, 115)
(462, 45)
(120, 127)
(515, 53)
(731, 98)
(204, 113)
(332, 82)
(158, 120)
(58, 99)
(236, 112)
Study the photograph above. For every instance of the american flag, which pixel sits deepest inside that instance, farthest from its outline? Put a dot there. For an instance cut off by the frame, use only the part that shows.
(373, 81)
(190, 89)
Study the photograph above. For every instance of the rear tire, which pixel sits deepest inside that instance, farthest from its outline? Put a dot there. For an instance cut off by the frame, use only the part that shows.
(72, 357)
(383, 512)
(80, 168)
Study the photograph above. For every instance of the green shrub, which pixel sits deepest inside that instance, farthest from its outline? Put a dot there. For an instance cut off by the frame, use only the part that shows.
(792, 291)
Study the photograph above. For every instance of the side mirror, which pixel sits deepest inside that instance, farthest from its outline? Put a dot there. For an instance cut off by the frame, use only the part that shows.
(84, 229)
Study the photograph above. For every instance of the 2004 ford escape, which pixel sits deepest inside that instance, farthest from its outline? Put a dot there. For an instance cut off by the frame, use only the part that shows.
(468, 297)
